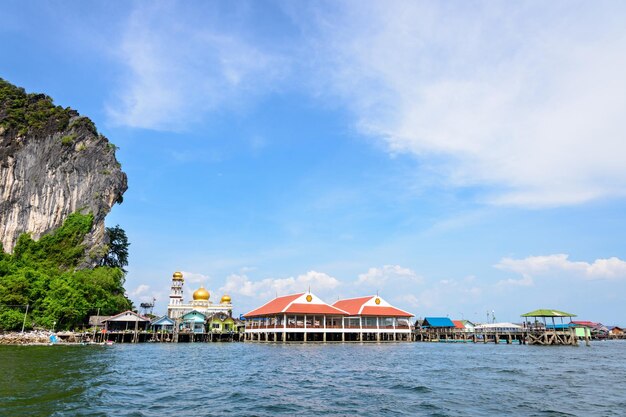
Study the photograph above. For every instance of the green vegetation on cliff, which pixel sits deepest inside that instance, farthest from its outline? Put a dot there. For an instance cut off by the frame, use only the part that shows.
(43, 274)
(30, 113)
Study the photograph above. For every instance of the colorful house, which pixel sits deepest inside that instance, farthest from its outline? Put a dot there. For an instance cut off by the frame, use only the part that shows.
(193, 322)
(438, 323)
(221, 323)
(459, 326)
(162, 325)
(598, 330)
(126, 321)
(469, 326)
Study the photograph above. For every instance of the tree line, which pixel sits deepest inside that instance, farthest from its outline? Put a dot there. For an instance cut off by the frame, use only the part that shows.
(44, 275)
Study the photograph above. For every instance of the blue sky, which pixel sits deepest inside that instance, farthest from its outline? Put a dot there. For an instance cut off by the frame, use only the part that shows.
(458, 159)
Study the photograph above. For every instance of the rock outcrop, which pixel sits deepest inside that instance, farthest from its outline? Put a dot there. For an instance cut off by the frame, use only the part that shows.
(53, 163)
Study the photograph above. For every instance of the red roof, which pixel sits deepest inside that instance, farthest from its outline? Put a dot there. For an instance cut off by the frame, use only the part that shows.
(357, 306)
(353, 305)
(585, 323)
(126, 314)
(458, 324)
(277, 305)
(314, 309)
(288, 304)
(384, 311)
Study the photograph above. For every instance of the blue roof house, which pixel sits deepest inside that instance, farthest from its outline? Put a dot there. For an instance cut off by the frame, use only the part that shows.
(162, 324)
(193, 322)
(438, 323)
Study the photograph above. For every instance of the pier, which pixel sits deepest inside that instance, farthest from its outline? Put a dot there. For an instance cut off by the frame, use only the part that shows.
(539, 328)
(303, 318)
(130, 336)
(455, 336)
(540, 332)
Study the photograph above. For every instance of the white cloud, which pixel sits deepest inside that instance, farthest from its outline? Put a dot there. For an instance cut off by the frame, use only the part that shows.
(269, 287)
(399, 285)
(410, 300)
(523, 101)
(610, 269)
(525, 281)
(195, 277)
(381, 276)
(180, 64)
(140, 290)
(434, 298)
(527, 101)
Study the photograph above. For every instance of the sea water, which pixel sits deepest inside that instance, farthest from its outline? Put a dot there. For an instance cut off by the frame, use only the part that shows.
(250, 379)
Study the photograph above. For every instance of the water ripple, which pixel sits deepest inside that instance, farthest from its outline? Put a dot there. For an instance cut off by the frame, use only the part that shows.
(314, 379)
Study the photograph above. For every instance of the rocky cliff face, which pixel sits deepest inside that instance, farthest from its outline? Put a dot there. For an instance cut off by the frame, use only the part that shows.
(53, 162)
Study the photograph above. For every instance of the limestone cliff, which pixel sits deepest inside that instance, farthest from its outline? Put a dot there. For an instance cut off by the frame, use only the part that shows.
(53, 162)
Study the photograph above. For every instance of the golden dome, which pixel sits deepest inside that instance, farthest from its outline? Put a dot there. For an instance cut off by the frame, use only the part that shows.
(225, 299)
(178, 276)
(201, 294)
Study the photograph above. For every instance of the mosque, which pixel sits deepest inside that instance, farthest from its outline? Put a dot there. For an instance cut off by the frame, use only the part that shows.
(201, 301)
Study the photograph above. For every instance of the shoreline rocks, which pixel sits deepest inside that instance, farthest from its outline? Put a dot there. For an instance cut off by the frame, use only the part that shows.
(39, 337)
(16, 338)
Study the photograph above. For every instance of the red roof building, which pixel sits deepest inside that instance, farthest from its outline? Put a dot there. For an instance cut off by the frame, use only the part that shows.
(370, 306)
(458, 324)
(305, 317)
(303, 303)
(585, 323)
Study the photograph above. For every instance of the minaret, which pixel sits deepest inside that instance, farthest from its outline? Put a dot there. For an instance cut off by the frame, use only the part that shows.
(176, 294)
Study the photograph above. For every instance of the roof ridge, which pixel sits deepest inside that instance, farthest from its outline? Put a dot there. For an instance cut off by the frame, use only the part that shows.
(355, 298)
(272, 300)
(340, 309)
(125, 312)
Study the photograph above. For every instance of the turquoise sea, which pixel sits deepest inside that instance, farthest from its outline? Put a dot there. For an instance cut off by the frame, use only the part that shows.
(237, 379)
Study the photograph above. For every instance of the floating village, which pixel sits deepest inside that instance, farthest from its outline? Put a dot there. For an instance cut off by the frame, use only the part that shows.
(304, 318)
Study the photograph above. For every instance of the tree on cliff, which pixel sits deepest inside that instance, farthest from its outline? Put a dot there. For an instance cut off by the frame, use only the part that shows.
(44, 275)
(117, 256)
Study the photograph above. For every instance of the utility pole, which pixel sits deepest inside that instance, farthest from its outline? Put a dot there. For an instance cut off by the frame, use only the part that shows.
(24, 322)
(96, 325)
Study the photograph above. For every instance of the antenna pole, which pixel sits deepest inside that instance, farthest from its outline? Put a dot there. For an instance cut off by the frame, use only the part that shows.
(24, 322)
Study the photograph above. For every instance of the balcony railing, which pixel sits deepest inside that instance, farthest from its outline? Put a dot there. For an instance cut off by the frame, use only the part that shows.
(301, 325)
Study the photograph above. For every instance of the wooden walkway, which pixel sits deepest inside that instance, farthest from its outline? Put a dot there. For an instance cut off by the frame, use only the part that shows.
(455, 336)
(176, 337)
(542, 337)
